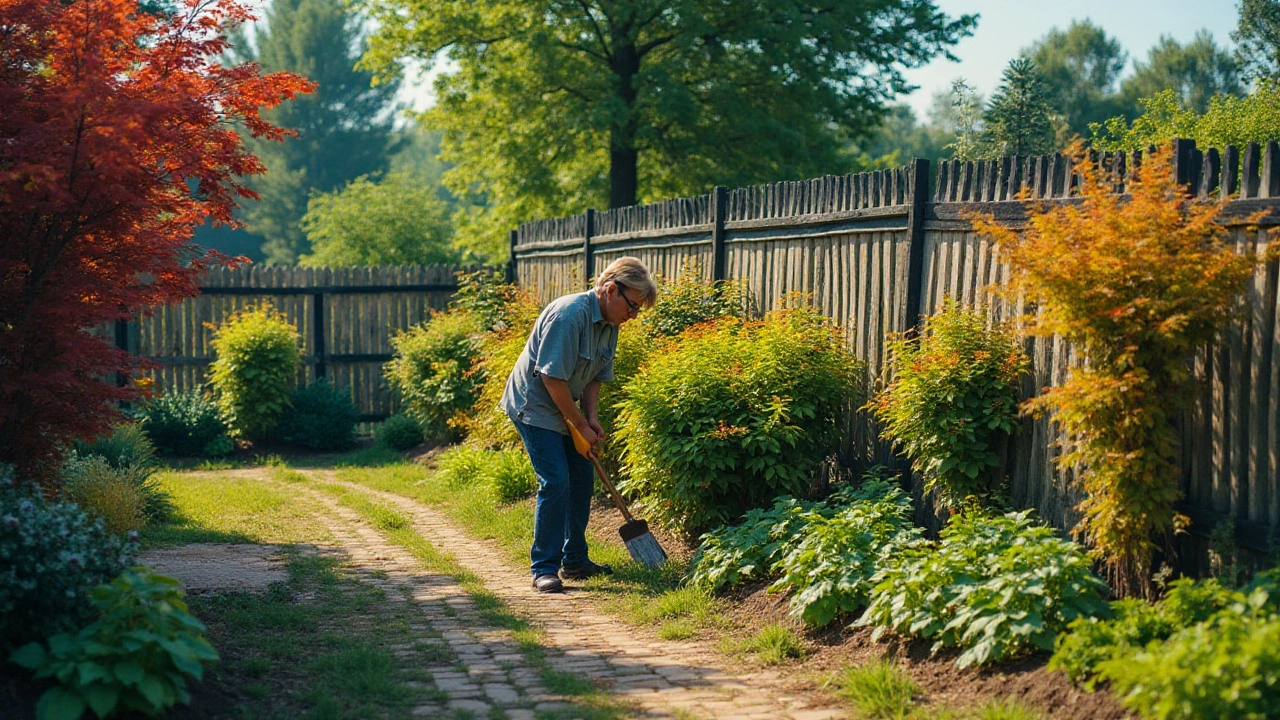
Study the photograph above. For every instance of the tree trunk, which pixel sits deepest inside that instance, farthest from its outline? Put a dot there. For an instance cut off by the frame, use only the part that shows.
(624, 158)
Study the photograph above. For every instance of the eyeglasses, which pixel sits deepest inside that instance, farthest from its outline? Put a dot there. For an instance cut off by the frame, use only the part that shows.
(633, 307)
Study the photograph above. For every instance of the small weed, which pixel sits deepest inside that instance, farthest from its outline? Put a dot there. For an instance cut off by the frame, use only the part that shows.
(878, 691)
(272, 460)
(284, 473)
(1006, 709)
(255, 666)
(677, 630)
(776, 644)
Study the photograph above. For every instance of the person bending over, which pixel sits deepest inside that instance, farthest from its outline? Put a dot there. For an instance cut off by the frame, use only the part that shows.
(556, 381)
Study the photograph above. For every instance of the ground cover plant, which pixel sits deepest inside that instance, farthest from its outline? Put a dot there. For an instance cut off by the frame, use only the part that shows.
(733, 415)
(993, 585)
(751, 548)
(255, 366)
(135, 656)
(953, 395)
(51, 554)
(1136, 283)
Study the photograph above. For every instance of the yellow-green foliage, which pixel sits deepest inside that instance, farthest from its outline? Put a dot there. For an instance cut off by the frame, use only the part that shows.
(257, 363)
(1229, 120)
(486, 425)
(104, 492)
(954, 392)
(434, 369)
(1136, 284)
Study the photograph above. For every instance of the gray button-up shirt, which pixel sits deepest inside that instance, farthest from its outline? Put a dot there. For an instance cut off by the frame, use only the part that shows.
(570, 342)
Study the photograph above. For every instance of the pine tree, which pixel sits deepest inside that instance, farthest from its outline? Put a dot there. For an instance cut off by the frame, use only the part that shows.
(344, 129)
(1018, 121)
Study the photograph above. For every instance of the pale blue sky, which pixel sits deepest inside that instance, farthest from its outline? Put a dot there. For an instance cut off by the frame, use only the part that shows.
(1005, 27)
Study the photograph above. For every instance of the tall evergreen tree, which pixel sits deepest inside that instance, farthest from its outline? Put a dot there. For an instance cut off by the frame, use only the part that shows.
(1196, 72)
(552, 106)
(1080, 67)
(1257, 39)
(344, 129)
(1018, 119)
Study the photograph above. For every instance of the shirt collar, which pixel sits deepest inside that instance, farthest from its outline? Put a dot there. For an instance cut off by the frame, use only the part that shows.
(596, 315)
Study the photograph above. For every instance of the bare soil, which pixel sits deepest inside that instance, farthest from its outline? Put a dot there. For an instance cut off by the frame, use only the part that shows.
(218, 567)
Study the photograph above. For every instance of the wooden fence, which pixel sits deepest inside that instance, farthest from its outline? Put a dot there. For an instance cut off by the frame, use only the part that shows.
(346, 318)
(877, 251)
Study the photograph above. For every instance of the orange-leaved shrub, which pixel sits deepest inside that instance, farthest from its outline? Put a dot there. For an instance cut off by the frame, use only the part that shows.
(1137, 283)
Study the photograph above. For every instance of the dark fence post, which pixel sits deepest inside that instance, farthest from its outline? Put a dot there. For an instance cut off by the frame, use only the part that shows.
(719, 210)
(317, 316)
(918, 203)
(1184, 172)
(513, 272)
(588, 255)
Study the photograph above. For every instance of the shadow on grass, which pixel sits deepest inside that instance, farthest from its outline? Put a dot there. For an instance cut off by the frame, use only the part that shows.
(182, 530)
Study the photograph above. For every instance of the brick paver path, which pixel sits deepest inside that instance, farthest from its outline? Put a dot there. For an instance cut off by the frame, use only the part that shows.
(491, 678)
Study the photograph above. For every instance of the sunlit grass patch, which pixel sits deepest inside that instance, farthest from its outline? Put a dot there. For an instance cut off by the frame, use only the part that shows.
(880, 690)
(230, 509)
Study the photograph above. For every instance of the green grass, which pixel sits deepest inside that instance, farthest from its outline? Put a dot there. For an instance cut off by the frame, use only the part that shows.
(228, 509)
(878, 691)
(775, 644)
(313, 646)
(1003, 709)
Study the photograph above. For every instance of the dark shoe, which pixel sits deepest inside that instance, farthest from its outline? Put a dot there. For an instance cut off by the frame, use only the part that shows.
(584, 571)
(547, 584)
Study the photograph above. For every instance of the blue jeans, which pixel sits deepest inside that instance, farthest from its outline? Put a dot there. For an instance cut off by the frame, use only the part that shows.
(565, 481)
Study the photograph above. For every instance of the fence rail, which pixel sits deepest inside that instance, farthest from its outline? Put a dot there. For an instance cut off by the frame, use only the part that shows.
(878, 251)
(346, 318)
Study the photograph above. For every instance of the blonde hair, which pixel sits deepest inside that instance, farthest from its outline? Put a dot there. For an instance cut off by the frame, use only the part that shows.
(631, 274)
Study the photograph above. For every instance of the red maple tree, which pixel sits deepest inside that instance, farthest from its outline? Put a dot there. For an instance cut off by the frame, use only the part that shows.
(117, 138)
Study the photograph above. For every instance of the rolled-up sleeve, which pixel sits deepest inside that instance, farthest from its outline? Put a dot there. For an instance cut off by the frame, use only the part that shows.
(558, 347)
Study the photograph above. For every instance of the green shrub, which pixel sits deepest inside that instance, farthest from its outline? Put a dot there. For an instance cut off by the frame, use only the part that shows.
(734, 415)
(399, 432)
(993, 585)
(321, 417)
(748, 550)
(954, 393)
(135, 656)
(434, 369)
(510, 474)
(51, 554)
(829, 572)
(257, 362)
(104, 492)
(1225, 667)
(1136, 623)
(486, 425)
(186, 424)
(126, 446)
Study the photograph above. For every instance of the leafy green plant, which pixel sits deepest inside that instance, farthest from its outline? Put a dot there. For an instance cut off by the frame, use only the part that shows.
(434, 369)
(485, 424)
(733, 554)
(1134, 624)
(829, 571)
(511, 475)
(125, 493)
(135, 656)
(954, 393)
(993, 585)
(186, 424)
(734, 415)
(127, 445)
(51, 554)
(1225, 667)
(1229, 120)
(257, 362)
(399, 432)
(320, 417)
(463, 466)
(880, 690)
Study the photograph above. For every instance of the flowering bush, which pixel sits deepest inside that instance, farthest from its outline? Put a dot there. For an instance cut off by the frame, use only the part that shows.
(51, 554)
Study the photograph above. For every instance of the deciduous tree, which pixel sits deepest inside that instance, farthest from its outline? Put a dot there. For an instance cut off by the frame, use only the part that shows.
(1081, 67)
(117, 137)
(551, 106)
(1196, 71)
(1257, 39)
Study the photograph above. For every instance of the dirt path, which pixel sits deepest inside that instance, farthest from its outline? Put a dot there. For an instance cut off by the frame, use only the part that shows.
(657, 678)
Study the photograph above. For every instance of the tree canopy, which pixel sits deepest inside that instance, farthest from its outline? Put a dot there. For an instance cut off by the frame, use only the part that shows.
(344, 129)
(1195, 72)
(1229, 120)
(1018, 122)
(112, 117)
(552, 106)
(396, 220)
(1257, 38)
(1081, 67)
